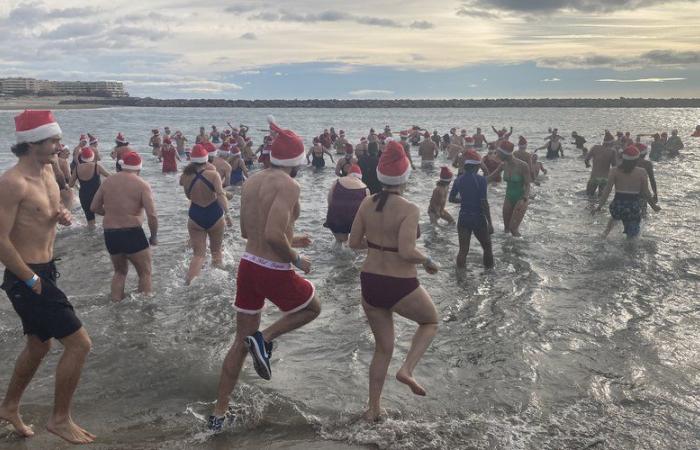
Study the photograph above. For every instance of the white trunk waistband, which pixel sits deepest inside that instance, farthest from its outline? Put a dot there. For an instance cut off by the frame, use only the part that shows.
(274, 265)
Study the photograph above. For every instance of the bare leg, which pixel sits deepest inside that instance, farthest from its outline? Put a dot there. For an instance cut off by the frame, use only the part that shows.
(447, 216)
(417, 306)
(381, 322)
(290, 322)
(216, 240)
(121, 268)
(27, 363)
(433, 217)
(465, 236)
(142, 263)
(198, 242)
(517, 216)
(77, 346)
(246, 324)
(507, 214)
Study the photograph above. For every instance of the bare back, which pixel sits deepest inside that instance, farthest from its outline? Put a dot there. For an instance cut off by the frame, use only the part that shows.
(427, 150)
(201, 194)
(634, 182)
(395, 226)
(603, 158)
(260, 193)
(123, 196)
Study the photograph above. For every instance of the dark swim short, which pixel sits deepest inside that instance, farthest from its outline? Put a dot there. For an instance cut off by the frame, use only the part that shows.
(383, 291)
(472, 221)
(125, 241)
(46, 315)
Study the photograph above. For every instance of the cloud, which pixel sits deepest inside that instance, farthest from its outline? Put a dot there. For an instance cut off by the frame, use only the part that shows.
(249, 36)
(325, 16)
(553, 6)
(422, 25)
(471, 12)
(71, 30)
(36, 13)
(370, 93)
(341, 69)
(654, 58)
(549, 80)
(641, 80)
(278, 74)
(241, 8)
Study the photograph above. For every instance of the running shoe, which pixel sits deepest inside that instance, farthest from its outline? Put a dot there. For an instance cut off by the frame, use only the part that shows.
(216, 423)
(261, 352)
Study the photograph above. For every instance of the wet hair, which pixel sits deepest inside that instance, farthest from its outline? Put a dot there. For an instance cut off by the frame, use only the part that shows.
(382, 196)
(443, 183)
(471, 168)
(192, 168)
(121, 144)
(628, 165)
(373, 148)
(23, 148)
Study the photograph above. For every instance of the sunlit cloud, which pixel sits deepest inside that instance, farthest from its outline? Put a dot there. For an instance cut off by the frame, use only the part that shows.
(370, 93)
(641, 80)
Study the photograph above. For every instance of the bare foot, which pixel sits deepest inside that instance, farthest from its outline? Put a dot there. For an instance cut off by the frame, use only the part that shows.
(13, 417)
(515, 233)
(70, 432)
(372, 415)
(411, 382)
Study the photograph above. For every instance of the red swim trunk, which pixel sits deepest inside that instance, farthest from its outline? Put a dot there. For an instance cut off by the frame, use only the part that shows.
(259, 279)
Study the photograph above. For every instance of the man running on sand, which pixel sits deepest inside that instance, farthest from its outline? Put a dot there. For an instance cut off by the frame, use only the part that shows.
(30, 211)
(269, 208)
(122, 199)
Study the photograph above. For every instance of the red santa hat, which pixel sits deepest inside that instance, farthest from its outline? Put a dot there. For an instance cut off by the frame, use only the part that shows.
(472, 157)
(87, 155)
(355, 171)
(199, 154)
(506, 147)
(35, 126)
(393, 168)
(445, 174)
(608, 138)
(120, 139)
(287, 148)
(522, 142)
(468, 141)
(131, 161)
(642, 148)
(630, 153)
(209, 147)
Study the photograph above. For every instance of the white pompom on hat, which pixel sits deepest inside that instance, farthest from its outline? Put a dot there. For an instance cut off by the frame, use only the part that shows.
(355, 171)
(446, 174)
(121, 139)
(131, 161)
(630, 153)
(35, 126)
(472, 157)
(87, 155)
(287, 149)
(393, 168)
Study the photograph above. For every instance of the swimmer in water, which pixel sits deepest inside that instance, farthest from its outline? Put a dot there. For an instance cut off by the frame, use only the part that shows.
(344, 198)
(269, 208)
(31, 208)
(516, 174)
(155, 142)
(342, 168)
(120, 148)
(122, 199)
(603, 157)
(387, 224)
(436, 208)
(579, 141)
(316, 152)
(428, 151)
(88, 172)
(208, 213)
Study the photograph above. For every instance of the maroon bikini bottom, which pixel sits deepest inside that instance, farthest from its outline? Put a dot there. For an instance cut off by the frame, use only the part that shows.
(383, 291)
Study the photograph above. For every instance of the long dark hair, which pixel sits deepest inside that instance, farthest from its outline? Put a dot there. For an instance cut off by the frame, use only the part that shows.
(382, 196)
(192, 168)
(628, 165)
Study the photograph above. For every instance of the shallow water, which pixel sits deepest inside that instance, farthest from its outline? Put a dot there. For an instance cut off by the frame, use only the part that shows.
(571, 342)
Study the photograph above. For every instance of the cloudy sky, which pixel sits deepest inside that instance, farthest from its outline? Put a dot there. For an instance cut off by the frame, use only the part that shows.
(354, 49)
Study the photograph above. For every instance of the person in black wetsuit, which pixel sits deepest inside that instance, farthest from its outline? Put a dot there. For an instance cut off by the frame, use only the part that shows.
(87, 167)
(579, 141)
(368, 165)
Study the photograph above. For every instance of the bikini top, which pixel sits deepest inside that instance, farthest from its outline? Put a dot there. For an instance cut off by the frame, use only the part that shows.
(382, 198)
(199, 176)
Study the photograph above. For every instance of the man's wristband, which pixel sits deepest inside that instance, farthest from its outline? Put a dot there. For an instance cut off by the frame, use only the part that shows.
(31, 281)
(427, 261)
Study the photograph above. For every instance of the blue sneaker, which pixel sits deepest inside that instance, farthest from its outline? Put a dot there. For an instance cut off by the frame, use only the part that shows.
(261, 352)
(216, 423)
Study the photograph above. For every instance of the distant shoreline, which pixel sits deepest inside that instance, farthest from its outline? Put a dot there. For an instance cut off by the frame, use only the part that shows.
(19, 103)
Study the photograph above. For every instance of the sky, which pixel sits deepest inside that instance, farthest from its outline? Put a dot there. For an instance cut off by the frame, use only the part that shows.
(345, 49)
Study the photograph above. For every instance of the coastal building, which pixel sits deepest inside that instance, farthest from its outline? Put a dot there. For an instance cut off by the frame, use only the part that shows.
(31, 86)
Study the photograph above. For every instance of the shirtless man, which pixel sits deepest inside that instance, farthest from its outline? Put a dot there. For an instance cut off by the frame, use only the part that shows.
(180, 141)
(479, 139)
(579, 141)
(342, 167)
(631, 185)
(269, 208)
(121, 146)
(30, 211)
(122, 199)
(603, 157)
(436, 209)
(219, 160)
(455, 139)
(428, 151)
(340, 142)
(155, 142)
(361, 148)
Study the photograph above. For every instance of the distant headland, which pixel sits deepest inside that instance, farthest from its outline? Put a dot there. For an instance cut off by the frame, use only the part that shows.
(621, 102)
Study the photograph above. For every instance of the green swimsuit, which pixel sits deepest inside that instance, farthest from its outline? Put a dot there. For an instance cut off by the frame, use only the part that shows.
(515, 189)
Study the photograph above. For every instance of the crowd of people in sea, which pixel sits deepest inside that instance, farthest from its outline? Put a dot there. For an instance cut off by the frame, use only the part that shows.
(367, 211)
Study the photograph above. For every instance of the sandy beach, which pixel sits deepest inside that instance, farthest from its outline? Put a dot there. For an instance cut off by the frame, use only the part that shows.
(21, 103)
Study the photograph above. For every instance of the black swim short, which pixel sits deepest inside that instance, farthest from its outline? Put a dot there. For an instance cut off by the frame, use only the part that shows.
(125, 241)
(46, 315)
